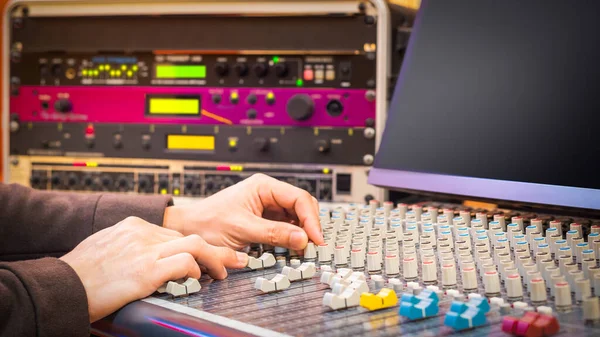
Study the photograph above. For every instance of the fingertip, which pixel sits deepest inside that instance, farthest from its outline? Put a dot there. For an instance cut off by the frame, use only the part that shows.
(298, 240)
(242, 259)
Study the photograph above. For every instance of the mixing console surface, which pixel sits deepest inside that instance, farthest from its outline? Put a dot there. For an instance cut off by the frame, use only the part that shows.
(418, 270)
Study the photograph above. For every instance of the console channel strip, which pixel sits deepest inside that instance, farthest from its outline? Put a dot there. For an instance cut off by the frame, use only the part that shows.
(425, 269)
(300, 83)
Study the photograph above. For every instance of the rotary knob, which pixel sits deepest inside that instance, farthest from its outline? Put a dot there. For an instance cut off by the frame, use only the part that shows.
(63, 105)
(261, 144)
(323, 146)
(281, 70)
(122, 182)
(241, 69)
(143, 183)
(261, 69)
(72, 180)
(221, 69)
(300, 107)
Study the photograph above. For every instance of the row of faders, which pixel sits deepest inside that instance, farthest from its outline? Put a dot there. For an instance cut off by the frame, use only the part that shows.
(471, 263)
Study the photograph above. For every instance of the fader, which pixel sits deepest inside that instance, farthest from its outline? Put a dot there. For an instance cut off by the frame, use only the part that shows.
(407, 270)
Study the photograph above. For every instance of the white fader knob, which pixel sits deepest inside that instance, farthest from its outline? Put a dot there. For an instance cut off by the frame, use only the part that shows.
(562, 293)
(409, 265)
(491, 282)
(429, 272)
(324, 255)
(357, 259)
(591, 309)
(469, 278)
(582, 289)
(537, 291)
(514, 289)
(448, 275)
(310, 252)
(392, 265)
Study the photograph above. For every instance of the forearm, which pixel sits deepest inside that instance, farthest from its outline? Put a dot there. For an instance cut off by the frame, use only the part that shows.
(42, 298)
(43, 223)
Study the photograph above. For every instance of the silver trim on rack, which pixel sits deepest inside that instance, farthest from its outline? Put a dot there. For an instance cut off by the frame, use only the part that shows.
(53, 8)
(224, 321)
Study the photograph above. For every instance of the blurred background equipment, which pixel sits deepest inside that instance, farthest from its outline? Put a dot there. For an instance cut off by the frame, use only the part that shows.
(188, 98)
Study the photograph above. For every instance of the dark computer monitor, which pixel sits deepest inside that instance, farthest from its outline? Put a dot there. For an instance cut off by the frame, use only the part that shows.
(498, 100)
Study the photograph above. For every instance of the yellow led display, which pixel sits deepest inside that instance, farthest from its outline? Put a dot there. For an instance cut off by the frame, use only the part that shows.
(190, 142)
(174, 106)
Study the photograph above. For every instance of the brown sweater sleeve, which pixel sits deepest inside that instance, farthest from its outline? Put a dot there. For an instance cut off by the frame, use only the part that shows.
(41, 295)
(36, 224)
(42, 298)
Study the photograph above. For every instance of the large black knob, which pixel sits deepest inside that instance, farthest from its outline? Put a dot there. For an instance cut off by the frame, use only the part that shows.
(261, 69)
(261, 144)
(63, 105)
(300, 107)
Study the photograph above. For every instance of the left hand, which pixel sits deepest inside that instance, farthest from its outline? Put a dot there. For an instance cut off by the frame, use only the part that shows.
(259, 209)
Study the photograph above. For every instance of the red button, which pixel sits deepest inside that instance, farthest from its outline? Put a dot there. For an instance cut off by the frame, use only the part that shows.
(309, 75)
(509, 324)
(548, 324)
(525, 326)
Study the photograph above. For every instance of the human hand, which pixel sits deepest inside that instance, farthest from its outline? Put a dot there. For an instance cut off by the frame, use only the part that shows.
(132, 259)
(259, 209)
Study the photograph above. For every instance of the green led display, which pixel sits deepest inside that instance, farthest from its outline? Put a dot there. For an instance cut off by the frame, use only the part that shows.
(180, 71)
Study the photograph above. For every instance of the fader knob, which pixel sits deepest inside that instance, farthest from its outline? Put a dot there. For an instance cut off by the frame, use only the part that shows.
(310, 252)
(300, 107)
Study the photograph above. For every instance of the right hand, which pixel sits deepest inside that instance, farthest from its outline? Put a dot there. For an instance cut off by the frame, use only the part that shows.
(132, 259)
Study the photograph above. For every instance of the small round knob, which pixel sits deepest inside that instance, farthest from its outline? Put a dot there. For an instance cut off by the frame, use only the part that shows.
(143, 183)
(323, 145)
(63, 105)
(88, 181)
(241, 69)
(72, 180)
(221, 69)
(281, 70)
(261, 69)
(163, 183)
(300, 107)
(188, 184)
(335, 108)
(122, 181)
(106, 181)
(56, 179)
(251, 114)
(35, 180)
(261, 144)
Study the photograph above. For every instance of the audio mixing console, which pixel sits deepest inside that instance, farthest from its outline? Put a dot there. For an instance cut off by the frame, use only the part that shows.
(428, 269)
(293, 87)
